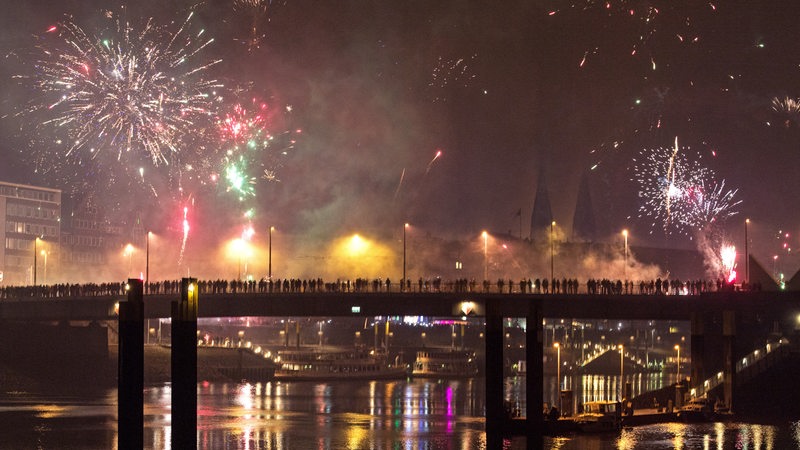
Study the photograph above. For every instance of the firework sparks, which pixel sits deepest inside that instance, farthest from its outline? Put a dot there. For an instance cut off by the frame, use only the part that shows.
(645, 21)
(185, 234)
(447, 72)
(727, 256)
(788, 108)
(134, 90)
(680, 193)
(257, 11)
(245, 133)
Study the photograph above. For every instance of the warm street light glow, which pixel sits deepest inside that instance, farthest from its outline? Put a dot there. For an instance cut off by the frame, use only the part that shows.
(678, 363)
(129, 253)
(44, 253)
(621, 372)
(558, 374)
(238, 248)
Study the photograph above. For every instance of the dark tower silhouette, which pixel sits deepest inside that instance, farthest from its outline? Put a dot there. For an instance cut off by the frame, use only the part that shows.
(583, 227)
(542, 215)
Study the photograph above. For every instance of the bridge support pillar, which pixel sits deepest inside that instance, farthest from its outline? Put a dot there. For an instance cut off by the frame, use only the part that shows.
(495, 408)
(698, 349)
(729, 358)
(130, 369)
(534, 376)
(184, 367)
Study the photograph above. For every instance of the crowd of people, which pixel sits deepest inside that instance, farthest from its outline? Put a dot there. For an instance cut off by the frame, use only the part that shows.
(569, 286)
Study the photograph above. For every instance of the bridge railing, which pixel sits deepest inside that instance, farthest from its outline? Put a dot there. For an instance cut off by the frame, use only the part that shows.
(362, 285)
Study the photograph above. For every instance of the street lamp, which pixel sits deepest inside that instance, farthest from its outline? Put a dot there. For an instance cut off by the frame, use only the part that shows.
(35, 252)
(625, 268)
(147, 263)
(44, 253)
(746, 253)
(403, 280)
(558, 371)
(552, 253)
(678, 364)
(485, 236)
(269, 265)
(621, 371)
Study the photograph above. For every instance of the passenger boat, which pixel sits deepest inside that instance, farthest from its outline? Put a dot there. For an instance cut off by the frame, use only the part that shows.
(698, 409)
(599, 417)
(335, 364)
(445, 363)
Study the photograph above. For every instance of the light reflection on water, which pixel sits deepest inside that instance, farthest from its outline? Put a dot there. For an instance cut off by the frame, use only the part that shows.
(419, 414)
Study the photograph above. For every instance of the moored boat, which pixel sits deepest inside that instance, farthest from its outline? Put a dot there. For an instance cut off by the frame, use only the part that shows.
(335, 364)
(599, 417)
(445, 363)
(698, 409)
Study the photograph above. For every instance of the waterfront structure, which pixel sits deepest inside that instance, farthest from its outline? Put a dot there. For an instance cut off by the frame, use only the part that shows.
(30, 222)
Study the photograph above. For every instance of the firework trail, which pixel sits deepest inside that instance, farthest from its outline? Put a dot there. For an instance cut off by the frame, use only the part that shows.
(435, 157)
(400, 184)
(185, 234)
(134, 90)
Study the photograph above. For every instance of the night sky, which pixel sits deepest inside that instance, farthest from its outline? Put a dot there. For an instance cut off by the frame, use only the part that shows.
(506, 90)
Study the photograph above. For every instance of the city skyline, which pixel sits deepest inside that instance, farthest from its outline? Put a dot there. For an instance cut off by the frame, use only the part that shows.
(443, 116)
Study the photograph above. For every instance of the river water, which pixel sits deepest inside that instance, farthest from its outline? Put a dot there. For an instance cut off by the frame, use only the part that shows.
(412, 414)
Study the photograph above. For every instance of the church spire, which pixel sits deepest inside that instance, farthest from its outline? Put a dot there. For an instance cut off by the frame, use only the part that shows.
(542, 215)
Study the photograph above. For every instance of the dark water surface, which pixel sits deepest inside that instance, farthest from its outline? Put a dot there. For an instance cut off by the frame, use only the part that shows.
(415, 414)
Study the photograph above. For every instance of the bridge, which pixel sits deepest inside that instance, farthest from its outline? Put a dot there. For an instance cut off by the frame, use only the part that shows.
(716, 320)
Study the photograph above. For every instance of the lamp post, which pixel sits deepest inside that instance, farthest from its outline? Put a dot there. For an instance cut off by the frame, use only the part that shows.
(678, 364)
(269, 263)
(746, 253)
(558, 372)
(44, 253)
(621, 371)
(485, 236)
(625, 267)
(403, 280)
(552, 253)
(35, 252)
(147, 264)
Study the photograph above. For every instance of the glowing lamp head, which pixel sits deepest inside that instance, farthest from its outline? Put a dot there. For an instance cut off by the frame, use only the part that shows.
(357, 245)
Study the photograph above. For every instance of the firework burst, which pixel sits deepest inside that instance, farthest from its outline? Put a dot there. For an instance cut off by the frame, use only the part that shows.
(251, 150)
(679, 193)
(135, 92)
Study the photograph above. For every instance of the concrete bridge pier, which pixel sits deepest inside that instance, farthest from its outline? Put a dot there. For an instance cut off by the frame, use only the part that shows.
(495, 408)
(184, 367)
(698, 349)
(130, 369)
(534, 376)
(729, 357)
